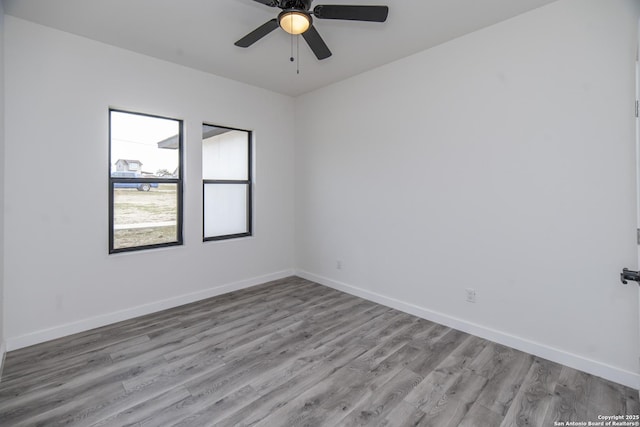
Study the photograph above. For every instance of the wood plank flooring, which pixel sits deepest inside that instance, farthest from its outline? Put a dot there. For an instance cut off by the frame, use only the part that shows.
(293, 353)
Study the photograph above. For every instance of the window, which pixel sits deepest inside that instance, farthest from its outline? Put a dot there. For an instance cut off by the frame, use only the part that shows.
(145, 181)
(226, 182)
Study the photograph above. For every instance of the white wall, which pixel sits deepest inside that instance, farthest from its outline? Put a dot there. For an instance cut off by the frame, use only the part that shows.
(59, 276)
(501, 161)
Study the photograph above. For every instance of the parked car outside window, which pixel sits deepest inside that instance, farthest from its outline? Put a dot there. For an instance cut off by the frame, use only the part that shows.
(140, 186)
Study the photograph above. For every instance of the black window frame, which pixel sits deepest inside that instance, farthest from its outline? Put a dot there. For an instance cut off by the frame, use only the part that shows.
(249, 186)
(148, 180)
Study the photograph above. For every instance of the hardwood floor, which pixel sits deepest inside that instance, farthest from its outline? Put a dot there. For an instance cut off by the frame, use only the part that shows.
(293, 353)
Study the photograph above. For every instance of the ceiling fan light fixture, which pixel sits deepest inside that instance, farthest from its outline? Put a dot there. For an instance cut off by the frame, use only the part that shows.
(294, 21)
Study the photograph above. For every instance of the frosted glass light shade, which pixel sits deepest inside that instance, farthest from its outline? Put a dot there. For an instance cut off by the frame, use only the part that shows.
(294, 22)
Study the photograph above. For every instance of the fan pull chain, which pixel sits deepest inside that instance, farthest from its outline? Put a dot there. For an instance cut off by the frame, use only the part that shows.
(291, 57)
(298, 55)
(295, 58)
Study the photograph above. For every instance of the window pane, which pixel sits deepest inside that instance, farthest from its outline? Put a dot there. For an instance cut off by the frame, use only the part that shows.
(224, 153)
(225, 209)
(144, 146)
(142, 218)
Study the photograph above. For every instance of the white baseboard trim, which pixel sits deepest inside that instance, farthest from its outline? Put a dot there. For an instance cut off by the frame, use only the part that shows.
(3, 353)
(620, 376)
(14, 343)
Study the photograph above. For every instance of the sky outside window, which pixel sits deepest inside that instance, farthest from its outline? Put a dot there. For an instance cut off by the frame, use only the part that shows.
(136, 137)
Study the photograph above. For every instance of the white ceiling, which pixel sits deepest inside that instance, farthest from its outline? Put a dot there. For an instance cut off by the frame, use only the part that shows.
(200, 34)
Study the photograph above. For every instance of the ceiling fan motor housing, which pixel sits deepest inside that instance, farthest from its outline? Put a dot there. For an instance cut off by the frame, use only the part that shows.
(299, 5)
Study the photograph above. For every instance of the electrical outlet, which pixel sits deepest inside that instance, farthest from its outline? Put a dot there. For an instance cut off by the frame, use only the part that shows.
(471, 295)
(339, 265)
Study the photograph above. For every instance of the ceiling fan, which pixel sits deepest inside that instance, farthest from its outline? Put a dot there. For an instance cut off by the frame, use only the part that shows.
(295, 18)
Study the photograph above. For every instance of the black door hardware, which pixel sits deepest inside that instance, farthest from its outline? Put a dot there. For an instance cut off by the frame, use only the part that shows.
(627, 274)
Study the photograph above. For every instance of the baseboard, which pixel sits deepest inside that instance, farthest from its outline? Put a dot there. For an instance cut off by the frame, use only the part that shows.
(3, 353)
(14, 343)
(620, 376)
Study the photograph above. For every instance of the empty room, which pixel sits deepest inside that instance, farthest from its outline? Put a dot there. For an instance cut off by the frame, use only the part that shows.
(298, 213)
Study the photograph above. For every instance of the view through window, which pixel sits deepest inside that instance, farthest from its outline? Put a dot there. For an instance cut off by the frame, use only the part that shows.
(226, 173)
(145, 181)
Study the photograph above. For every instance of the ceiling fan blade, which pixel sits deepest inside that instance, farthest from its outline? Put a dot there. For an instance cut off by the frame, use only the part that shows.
(315, 42)
(351, 13)
(258, 33)
(270, 3)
